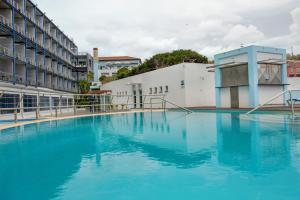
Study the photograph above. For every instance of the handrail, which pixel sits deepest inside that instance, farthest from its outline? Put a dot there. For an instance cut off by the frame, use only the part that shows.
(272, 99)
(166, 101)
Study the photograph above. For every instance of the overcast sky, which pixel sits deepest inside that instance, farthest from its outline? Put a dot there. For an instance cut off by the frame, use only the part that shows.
(144, 27)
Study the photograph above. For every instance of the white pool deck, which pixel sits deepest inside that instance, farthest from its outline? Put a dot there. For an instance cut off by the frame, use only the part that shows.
(47, 119)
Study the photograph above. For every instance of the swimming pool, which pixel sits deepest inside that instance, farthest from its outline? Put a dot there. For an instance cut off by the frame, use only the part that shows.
(151, 156)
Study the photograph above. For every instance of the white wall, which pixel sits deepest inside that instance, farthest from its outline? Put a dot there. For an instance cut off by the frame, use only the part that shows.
(225, 98)
(244, 97)
(266, 92)
(197, 92)
(200, 86)
(237, 58)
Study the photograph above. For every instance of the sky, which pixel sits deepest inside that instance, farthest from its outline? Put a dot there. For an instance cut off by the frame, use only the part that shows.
(142, 28)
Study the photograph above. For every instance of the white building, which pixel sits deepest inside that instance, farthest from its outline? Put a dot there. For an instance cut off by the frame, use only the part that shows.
(249, 76)
(109, 66)
(186, 84)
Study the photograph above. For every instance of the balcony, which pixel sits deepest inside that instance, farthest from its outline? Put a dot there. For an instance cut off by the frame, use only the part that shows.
(31, 37)
(18, 7)
(5, 51)
(20, 57)
(40, 66)
(31, 61)
(20, 80)
(19, 29)
(5, 21)
(30, 17)
(40, 84)
(4, 76)
(31, 82)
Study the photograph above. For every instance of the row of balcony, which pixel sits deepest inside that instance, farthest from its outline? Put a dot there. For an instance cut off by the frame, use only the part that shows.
(8, 77)
(41, 25)
(31, 37)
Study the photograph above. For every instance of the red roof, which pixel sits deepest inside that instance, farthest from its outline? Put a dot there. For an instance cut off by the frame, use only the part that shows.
(100, 92)
(117, 58)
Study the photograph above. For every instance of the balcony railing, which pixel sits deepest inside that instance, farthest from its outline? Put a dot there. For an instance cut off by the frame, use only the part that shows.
(20, 79)
(4, 76)
(19, 56)
(5, 51)
(5, 21)
(30, 36)
(18, 7)
(31, 61)
(31, 82)
(19, 29)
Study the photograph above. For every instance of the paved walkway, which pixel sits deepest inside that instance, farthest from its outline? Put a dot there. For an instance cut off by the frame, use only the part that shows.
(67, 116)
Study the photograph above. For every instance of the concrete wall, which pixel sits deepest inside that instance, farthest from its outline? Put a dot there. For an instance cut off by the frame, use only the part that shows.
(225, 98)
(198, 89)
(200, 86)
(244, 98)
(266, 92)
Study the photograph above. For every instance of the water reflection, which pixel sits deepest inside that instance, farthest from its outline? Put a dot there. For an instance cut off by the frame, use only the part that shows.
(252, 146)
(37, 161)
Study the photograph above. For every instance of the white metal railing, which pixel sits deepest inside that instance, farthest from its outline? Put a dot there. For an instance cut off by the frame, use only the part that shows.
(43, 104)
(290, 101)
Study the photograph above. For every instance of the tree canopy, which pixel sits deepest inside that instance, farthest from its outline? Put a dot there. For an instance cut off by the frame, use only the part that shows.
(293, 57)
(163, 60)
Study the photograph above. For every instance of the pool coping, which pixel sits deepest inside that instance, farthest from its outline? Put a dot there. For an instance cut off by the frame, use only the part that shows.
(49, 119)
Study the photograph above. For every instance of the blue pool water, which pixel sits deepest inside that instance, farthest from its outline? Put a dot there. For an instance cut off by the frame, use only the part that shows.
(151, 156)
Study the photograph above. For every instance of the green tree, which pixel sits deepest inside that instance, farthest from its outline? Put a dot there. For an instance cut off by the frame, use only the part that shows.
(123, 73)
(90, 76)
(293, 57)
(167, 59)
(84, 86)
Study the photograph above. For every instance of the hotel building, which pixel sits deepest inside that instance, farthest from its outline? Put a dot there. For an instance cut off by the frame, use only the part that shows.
(34, 53)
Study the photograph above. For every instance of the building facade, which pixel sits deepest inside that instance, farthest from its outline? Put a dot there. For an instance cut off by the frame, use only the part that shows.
(84, 66)
(293, 68)
(109, 66)
(34, 53)
(249, 76)
(186, 85)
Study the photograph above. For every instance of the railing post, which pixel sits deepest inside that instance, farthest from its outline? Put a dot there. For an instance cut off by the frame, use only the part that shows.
(37, 106)
(16, 115)
(93, 104)
(292, 103)
(56, 110)
(74, 105)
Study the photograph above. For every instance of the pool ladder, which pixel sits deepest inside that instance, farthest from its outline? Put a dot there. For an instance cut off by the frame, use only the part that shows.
(291, 101)
(164, 102)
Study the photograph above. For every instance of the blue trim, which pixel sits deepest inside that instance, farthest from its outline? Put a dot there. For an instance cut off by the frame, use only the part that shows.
(14, 45)
(253, 77)
(252, 53)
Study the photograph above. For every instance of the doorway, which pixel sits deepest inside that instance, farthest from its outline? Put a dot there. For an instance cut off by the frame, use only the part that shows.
(234, 97)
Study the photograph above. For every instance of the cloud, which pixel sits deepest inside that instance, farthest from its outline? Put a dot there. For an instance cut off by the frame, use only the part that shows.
(143, 28)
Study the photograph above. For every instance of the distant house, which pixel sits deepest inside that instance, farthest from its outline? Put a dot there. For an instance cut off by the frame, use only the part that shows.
(84, 65)
(293, 68)
(109, 66)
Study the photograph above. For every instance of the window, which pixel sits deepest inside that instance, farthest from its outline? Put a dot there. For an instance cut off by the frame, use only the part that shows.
(160, 89)
(155, 90)
(182, 84)
(150, 90)
(234, 76)
(167, 89)
(270, 74)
